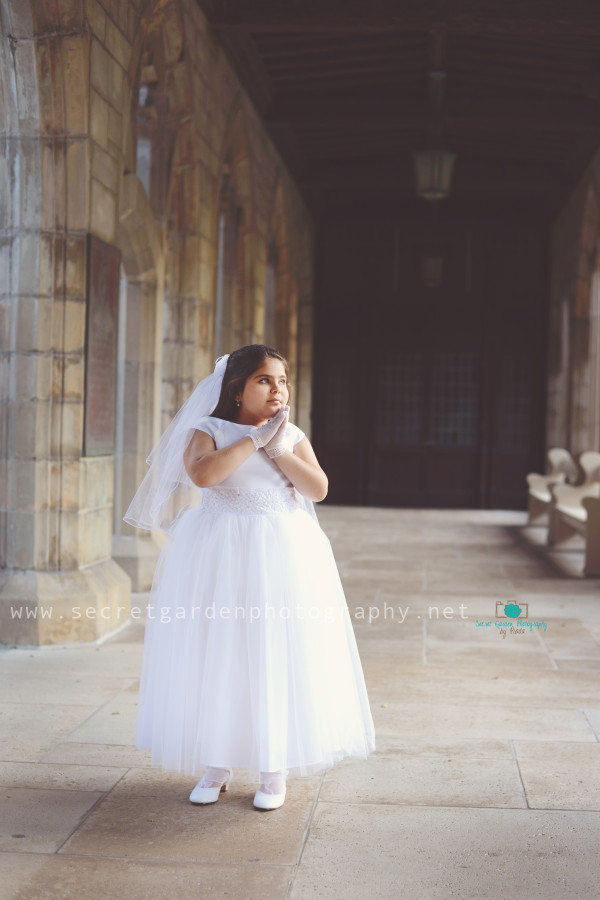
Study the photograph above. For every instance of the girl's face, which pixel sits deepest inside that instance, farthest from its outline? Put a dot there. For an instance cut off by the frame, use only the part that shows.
(265, 392)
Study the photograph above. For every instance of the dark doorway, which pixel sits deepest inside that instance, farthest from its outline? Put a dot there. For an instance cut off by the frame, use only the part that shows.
(430, 359)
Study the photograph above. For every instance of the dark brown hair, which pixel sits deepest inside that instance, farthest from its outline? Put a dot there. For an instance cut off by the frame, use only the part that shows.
(241, 364)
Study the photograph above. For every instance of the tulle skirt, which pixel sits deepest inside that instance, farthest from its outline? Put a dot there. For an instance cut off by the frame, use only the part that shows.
(250, 659)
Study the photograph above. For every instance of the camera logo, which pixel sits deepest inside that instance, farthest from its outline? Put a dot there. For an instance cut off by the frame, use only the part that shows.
(511, 610)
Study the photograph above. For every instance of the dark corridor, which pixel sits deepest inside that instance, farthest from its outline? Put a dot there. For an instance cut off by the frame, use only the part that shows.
(429, 358)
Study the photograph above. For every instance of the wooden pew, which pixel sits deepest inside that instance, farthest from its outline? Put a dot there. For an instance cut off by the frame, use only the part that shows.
(576, 508)
(560, 467)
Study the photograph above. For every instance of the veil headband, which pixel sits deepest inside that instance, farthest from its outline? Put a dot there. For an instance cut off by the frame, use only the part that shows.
(167, 490)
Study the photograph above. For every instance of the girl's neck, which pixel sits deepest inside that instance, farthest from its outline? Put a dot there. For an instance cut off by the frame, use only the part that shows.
(241, 420)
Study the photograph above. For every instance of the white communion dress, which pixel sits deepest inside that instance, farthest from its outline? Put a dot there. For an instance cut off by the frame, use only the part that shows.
(250, 659)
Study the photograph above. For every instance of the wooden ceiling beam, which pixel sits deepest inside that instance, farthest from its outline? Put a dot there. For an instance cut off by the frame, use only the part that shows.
(514, 17)
(363, 109)
(472, 175)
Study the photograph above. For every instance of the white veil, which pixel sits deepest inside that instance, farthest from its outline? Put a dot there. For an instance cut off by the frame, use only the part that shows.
(167, 490)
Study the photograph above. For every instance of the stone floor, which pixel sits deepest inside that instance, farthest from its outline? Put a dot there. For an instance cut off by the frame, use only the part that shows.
(486, 778)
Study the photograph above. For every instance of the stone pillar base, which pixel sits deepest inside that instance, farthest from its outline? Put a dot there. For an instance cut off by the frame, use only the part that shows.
(39, 608)
(137, 555)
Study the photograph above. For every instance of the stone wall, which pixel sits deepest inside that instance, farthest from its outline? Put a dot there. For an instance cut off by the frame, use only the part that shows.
(118, 119)
(573, 410)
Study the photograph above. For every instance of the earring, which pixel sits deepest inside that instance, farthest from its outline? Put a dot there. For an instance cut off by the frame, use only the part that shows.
(238, 403)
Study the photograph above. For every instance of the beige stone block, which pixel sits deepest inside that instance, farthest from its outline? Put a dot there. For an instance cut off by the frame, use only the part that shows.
(71, 438)
(560, 775)
(47, 264)
(117, 44)
(53, 184)
(71, 15)
(44, 817)
(31, 427)
(190, 277)
(23, 538)
(47, 877)
(115, 136)
(75, 265)
(99, 118)
(359, 850)
(97, 480)
(30, 192)
(26, 87)
(59, 254)
(28, 246)
(95, 536)
(52, 83)
(32, 376)
(137, 554)
(457, 722)
(53, 538)
(96, 18)
(65, 492)
(30, 484)
(68, 377)
(73, 333)
(426, 782)
(31, 729)
(104, 209)
(186, 832)
(69, 542)
(100, 63)
(179, 89)
(17, 20)
(6, 486)
(78, 175)
(64, 16)
(5, 182)
(114, 722)
(116, 84)
(76, 52)
(105, 168)
(46, 775)
(27, 320)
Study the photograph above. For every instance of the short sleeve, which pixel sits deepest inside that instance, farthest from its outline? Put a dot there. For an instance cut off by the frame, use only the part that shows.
(297, 433)
(209, 425)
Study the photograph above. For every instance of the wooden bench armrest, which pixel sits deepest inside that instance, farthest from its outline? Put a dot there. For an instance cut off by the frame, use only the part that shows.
(573, 495)
(591, 504)
(542, 482)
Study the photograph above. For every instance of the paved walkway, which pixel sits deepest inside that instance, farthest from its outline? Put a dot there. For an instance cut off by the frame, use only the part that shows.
(486, 779)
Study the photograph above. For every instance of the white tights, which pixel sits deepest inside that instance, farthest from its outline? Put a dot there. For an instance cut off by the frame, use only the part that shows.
(270, 782)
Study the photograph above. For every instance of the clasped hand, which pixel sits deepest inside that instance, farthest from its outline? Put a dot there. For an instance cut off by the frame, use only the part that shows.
(271, 436)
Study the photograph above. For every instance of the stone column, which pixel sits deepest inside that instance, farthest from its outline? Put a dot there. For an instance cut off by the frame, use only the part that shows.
(58, 581)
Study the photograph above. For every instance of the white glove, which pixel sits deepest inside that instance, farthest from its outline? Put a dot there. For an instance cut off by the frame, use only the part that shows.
(263, 435)
(280, 442)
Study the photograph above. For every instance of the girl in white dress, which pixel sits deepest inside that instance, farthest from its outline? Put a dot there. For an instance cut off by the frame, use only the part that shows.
(250, 659)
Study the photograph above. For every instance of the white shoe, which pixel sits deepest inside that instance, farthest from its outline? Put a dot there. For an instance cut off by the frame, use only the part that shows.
(271, 792)
(210, 785)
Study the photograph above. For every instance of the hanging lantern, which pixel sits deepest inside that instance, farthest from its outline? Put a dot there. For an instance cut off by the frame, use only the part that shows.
(433, 170)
